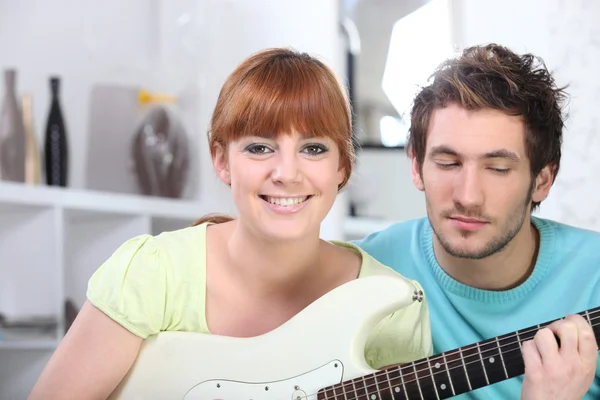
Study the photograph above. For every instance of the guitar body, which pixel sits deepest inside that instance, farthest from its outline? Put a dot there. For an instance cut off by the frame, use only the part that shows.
(321, 346)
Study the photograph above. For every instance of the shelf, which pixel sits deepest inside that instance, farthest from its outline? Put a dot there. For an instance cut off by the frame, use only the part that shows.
(81, 202)
(41, 344)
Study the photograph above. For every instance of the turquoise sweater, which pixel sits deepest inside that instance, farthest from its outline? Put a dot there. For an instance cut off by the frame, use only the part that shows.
(566, 279)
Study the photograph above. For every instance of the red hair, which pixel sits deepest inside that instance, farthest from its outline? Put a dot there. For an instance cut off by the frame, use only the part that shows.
(276, 91)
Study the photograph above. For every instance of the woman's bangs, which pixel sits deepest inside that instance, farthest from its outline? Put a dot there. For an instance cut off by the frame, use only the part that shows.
(286, 100)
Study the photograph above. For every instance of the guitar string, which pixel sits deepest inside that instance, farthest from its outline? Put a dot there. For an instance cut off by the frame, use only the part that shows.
(443, 371)
(412, 369)
(423, 385)
(427, 362)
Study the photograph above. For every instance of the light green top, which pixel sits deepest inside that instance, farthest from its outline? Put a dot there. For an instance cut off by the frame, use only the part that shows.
(158, 283)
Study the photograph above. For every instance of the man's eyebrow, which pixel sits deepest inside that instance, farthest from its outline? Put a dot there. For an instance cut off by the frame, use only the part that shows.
(502, 153)
(443, 149)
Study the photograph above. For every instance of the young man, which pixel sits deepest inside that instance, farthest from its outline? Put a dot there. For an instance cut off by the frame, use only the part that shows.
(485, 143)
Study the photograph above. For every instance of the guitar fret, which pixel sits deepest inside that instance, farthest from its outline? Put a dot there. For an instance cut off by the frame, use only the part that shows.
(359, 388)
(441, 380)
(418, 380)
(474, 366)
(462, 358)
(389, 382)
(383, 384)
(397, 383)
(487, 381)
(501, 358)
(457, 372)
(366, 388)
(377, 388)
(354, 388)
(437, 395)
(512, 353)
(372, 387)
(594, 328)
(448, 372)
(322, 395)
(403, 384)
(527, 334)
(491, 358)
(344, 391)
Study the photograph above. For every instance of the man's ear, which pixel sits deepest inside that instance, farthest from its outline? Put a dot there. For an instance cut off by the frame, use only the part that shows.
(416, 172)
(543, 183)
(221, 164)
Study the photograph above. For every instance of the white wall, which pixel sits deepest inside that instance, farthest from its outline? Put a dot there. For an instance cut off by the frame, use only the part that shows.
(566, 35)
(164, 45)
(383, 188)
(83, 43)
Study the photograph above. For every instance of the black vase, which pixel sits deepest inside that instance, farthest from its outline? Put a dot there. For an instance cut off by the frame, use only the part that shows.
(56, 151)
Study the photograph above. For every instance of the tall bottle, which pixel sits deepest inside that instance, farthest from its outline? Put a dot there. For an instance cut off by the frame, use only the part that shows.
(56, 147)
(12, 132)
(33, 164)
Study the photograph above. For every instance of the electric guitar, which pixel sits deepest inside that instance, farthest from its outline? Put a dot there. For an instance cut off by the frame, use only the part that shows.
(319, 355)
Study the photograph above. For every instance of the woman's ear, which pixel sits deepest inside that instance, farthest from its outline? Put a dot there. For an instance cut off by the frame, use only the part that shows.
(341, 175)
(220, 163)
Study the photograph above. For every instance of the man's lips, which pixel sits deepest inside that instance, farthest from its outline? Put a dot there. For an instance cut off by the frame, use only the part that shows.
(467, 224)
(469, 220)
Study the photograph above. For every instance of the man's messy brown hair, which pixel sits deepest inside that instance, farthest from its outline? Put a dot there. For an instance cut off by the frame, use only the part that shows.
(492, 76)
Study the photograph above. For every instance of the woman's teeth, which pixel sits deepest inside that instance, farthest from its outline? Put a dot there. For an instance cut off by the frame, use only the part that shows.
(286, 201)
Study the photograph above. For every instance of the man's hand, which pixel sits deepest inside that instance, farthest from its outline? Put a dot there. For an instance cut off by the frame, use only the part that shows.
(560, 373)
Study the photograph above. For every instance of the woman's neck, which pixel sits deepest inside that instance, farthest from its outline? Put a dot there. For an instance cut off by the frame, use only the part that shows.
(272, 267)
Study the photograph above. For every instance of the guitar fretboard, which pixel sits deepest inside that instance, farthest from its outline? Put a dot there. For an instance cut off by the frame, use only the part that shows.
(448, 374)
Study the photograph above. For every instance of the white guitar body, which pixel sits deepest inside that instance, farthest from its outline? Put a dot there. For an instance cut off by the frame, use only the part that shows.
(319, 347)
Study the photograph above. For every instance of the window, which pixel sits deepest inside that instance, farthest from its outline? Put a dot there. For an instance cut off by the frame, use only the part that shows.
(420, 42)
(393, 131)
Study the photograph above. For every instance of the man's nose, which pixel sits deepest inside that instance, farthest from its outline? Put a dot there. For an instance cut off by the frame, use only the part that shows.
(468, 189)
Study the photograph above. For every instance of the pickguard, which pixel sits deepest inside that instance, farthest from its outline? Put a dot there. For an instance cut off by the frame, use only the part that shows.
(301, 387)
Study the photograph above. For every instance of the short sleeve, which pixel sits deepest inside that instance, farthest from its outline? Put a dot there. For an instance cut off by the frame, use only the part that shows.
(130, 286)
(401, 337)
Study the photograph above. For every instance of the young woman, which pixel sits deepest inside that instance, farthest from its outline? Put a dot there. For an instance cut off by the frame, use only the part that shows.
(281, 139)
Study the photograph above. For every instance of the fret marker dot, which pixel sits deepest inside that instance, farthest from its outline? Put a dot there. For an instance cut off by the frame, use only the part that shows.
(374, 397)
(437, 365)
(492, 360)
(443, 386)
(397, 389)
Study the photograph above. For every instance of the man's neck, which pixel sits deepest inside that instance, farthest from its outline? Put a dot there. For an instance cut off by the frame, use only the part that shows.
(501, 271)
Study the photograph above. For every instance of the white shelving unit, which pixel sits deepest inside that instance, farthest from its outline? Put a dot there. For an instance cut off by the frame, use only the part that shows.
(51, 241)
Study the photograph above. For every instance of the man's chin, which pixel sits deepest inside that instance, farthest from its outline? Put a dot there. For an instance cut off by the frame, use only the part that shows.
(471, 251)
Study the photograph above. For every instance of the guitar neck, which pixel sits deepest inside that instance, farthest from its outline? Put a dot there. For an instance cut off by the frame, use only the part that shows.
(451, 373)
